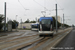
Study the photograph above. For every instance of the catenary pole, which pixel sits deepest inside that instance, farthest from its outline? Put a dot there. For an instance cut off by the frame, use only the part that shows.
(63, 21)
(5, 16)
(56, 19)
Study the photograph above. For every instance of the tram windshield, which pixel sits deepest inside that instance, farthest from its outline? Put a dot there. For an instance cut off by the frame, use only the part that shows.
(46, 21)
(34, 26)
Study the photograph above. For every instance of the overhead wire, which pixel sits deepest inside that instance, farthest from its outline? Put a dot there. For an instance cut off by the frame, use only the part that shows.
(22, 5)
(45, 9)
(59, 5)
(40, 5)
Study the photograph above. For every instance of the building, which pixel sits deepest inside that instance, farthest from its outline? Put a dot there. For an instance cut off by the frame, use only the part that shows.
(25, 25)
(59, 19)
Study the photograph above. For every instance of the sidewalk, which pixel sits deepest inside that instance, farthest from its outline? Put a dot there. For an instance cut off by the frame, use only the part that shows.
(61, 30)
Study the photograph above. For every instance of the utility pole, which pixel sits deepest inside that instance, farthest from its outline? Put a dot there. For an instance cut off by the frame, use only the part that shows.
(16, 21)
(7, 24)
(63, 21)
(5, 16)
(56, 19)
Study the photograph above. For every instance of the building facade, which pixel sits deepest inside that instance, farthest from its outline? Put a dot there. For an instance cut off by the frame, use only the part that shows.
(24, 25)
(58, 17)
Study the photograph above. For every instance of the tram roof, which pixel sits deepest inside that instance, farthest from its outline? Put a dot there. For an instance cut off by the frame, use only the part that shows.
(35, 24)
(46, 18)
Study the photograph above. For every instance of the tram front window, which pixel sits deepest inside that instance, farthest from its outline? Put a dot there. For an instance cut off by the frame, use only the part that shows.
(46, 21)
(34, 26)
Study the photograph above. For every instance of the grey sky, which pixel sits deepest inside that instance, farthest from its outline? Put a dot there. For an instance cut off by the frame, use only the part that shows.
(15, 8)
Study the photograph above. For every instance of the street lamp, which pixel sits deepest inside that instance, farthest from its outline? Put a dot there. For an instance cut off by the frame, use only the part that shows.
(21, 23)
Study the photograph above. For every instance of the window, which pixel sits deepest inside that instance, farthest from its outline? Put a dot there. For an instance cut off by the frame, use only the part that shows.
(46, 21)
(34, 26)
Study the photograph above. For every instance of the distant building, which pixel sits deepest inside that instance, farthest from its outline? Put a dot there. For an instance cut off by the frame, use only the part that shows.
(28, 25)
(58, 18)
(24, 25)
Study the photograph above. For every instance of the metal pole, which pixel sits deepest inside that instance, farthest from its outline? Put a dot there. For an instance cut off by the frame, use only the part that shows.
(16, 23)
(63, 21)
(5, 16)
(56, 19)
(7, 24)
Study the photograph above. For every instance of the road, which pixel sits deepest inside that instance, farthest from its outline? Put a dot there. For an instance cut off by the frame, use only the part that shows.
(44, 45)
(29, 38)
(68, 43)
(16, 38)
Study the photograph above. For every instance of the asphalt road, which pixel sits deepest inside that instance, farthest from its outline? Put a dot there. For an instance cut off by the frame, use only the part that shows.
(68, 43)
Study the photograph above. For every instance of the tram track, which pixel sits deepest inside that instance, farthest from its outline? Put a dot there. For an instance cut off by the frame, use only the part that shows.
(15, 40)
(16, 37)
(23, 42)
(35, 43)
(8, 37)
(7, 45)
(41, 42)
(12, 40)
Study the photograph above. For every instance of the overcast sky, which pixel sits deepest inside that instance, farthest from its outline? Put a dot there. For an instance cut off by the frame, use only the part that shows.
(16, 7)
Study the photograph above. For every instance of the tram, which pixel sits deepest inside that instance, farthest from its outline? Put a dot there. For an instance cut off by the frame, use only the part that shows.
(46, 26)
(34, 26)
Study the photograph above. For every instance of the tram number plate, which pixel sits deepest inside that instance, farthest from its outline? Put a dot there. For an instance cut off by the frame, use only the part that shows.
(46, 34)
